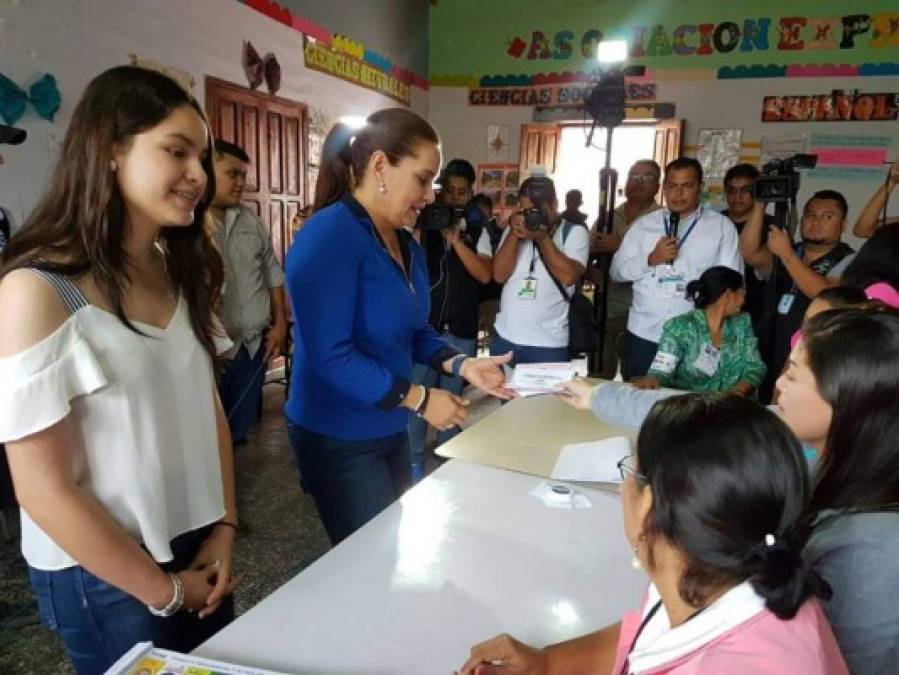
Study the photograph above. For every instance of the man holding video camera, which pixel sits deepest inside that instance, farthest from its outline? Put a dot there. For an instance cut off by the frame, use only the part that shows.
(456, 242)
(808, 266)
(538, 255)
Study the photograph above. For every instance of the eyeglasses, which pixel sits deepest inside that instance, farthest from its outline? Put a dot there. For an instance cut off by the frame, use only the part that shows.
(641, 178)
(625, 468)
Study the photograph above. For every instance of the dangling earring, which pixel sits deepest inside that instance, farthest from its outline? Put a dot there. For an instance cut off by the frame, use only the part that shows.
(382, 188)
(635, 561)
(113, 166)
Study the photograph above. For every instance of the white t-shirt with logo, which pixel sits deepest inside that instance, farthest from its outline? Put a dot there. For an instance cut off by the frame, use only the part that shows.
(543, 320)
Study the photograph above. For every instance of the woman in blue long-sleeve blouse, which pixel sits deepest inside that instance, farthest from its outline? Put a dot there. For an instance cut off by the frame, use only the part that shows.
(359, 291)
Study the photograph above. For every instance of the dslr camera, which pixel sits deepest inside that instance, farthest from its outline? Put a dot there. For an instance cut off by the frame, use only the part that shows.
(443, 216)
(779, 181)
(540, 191)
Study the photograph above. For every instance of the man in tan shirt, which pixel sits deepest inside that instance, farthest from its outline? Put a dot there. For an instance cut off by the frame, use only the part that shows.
(643, 180)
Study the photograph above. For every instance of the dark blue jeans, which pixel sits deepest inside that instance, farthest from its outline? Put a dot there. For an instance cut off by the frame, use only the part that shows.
(638, 356)
(351, 481)
(524, 354)
(240, 388)
(99, 622)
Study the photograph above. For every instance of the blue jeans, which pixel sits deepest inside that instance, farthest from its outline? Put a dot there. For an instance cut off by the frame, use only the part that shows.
(418, 428)
(524, 354)
(350, 481)
(240, 388)
(99, 622)
(638, 356)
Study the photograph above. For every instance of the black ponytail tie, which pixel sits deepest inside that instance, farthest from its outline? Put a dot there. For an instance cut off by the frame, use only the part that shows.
(780, 576)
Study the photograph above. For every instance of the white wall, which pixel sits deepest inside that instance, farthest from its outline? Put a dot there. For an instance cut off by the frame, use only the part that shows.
(76, 39)
(710, 104)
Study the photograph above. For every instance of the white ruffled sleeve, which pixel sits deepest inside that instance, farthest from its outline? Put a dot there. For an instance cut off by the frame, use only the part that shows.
(38, 384)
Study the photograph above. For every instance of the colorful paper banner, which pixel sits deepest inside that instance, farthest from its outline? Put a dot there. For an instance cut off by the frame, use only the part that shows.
(346, 67)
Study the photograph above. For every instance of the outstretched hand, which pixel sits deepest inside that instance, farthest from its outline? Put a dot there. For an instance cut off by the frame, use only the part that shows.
(487, 374)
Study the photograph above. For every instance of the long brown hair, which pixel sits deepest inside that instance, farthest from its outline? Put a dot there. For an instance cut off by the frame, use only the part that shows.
(79, 225)
(394, 131)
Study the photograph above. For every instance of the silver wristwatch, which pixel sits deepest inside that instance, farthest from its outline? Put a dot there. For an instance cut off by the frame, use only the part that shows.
(177, 600)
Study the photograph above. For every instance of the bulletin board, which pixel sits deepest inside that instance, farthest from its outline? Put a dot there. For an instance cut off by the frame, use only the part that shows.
(499, 182)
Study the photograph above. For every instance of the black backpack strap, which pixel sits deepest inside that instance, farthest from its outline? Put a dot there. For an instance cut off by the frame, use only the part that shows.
(566, 230)
(70, 294)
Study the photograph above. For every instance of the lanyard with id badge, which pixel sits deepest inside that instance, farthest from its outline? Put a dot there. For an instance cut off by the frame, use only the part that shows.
(708, 360)
(528, 289)
(671, 284)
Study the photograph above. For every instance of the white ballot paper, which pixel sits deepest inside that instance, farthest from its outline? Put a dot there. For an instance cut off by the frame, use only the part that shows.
(530, 379)
(595, 462)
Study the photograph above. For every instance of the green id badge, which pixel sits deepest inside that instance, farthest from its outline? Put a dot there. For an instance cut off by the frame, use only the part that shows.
(528, 290)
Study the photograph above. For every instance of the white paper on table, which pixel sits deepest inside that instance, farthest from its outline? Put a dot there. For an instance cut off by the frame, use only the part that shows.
(594, 462)
(540, 378)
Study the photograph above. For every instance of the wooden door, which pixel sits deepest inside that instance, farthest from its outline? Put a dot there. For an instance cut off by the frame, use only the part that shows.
(539, 147)
(273, 132)
(668, 141)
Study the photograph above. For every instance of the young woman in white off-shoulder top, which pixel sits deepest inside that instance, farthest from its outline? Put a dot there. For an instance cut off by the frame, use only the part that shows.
(119, 450)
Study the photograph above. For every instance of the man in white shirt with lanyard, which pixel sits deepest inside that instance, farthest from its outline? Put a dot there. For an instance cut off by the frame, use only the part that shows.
(662, 252)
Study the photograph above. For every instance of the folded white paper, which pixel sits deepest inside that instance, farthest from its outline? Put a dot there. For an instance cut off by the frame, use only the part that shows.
(529, 379)
(592, 462)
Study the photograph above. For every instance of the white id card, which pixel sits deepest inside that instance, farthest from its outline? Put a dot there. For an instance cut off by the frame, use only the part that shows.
(528, 290)
(664, 363)
(708, 360)
(786, 301)
(672, 285)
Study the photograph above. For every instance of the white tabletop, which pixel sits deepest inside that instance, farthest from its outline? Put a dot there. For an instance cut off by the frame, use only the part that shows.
(463, 556)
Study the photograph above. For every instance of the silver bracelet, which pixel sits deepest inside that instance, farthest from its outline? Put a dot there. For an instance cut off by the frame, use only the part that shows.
(177, 600)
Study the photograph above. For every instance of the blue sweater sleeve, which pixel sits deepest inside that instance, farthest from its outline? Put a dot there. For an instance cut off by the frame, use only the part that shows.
(323, 292)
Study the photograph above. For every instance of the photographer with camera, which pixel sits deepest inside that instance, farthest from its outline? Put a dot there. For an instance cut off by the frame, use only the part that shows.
(810, 266)
(457, 248)
(738, 191)
(540, 256)
(661, 252)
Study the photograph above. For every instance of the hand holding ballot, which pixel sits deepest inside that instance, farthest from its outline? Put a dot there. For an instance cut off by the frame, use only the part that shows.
(530, 379)
(577, 393)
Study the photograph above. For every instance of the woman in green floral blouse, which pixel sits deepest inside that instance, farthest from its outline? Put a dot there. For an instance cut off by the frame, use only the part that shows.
(712, 348)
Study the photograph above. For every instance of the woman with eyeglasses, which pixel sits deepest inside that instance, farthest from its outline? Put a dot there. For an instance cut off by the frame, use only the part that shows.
(710, 502)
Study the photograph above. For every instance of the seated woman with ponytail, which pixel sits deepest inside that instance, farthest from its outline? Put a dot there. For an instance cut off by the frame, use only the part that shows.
(710, 501)
(712, 348)
(840, 394)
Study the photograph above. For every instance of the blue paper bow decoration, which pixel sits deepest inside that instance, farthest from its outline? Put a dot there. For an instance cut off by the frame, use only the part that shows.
(43, 95)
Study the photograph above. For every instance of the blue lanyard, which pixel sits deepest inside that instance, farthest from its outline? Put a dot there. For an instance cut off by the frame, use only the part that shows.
(669, 230)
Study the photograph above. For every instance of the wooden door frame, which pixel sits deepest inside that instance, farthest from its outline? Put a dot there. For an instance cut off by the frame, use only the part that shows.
(303, 108)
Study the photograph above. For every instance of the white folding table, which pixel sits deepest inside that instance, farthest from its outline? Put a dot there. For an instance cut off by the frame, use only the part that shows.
(464, 555)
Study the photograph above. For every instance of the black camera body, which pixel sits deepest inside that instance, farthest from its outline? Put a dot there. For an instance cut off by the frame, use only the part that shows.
(779, 182)
(443, 216)
(540, 191)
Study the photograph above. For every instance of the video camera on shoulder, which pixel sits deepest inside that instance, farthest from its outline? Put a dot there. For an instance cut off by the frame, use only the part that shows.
(443, 216)
(541, 192)
(779, 181)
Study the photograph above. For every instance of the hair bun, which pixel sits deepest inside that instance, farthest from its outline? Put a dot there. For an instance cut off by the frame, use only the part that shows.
(697, 292)
(782, 577)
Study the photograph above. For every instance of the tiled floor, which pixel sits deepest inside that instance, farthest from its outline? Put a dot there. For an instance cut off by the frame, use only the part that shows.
(281, 536)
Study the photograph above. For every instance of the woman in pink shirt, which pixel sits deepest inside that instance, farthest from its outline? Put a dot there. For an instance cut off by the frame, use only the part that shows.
(710, 501)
